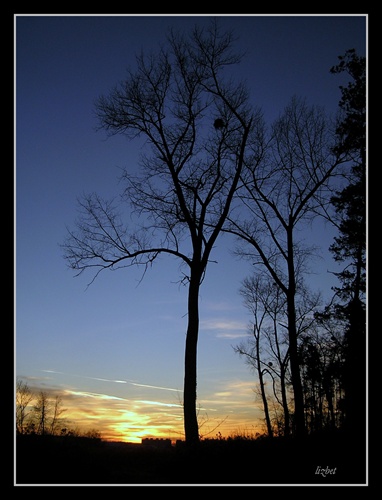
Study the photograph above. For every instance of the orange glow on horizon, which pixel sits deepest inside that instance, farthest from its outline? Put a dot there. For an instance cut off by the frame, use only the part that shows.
(132, 427)
(117, 419)
(224, 414)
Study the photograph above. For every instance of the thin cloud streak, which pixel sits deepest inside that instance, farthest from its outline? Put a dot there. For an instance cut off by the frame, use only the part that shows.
(157, 403)
(87, 377)
(93, 395)
(219, 324)
(226, 329)
(53, 371)
(154, 387)
(108, 380)
(231, 335)
(114, 381)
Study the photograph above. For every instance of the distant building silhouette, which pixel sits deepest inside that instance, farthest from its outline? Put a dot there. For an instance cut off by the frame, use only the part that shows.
(157, 442)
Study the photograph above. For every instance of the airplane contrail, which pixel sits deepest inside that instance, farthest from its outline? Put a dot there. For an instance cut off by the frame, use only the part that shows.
(154, 387)
(114, 381)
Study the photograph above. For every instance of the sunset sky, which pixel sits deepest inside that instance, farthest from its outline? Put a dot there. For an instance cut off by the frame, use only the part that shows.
(114, 350)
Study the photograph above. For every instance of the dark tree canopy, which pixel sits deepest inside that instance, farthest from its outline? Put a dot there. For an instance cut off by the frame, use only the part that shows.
(350, 203)
(350, 245)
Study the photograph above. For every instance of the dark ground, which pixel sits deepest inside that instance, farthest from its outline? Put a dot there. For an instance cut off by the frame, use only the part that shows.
(75, 461)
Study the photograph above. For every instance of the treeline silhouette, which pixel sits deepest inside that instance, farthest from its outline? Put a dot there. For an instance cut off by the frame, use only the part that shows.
(41, 414)
(323, 364)
(49, 451)
(323, 458)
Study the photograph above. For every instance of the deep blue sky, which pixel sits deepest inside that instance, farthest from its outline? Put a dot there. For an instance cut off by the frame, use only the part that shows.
(116, 330)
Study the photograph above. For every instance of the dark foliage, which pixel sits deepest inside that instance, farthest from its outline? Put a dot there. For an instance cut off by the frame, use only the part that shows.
(349, 246)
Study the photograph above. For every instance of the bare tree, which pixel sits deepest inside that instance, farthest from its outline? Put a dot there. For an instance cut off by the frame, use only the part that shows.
(42, 410)
(267, 351)
(24, 397)
(281, 193)
(199, 125)
(57, 411)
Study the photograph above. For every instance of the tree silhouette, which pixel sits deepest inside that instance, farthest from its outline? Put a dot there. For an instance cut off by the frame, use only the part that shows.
(264, 351)
(321, 354)
(349, 247)
(285, 189)
(268, 349)
(24, 397)
(184, 190)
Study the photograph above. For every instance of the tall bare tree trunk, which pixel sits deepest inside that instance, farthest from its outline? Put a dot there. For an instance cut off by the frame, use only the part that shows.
(285, 403)
(299, 416)
(262, 385)
(191, 428)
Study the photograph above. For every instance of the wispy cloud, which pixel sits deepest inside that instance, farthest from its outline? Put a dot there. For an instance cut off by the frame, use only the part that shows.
(154, 387)
(93, 395)
(221, 324)
(157, 403)
(108, 380)
(227, 329)
(233, 394)
(230, 335)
